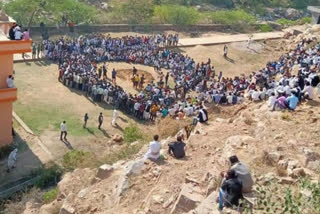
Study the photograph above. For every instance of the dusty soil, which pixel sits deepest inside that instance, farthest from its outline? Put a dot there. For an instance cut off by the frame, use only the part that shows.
(241, 60)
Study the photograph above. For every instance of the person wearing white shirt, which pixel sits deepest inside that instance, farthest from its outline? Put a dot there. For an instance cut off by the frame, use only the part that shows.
(18, 34)
(308, 92)
(63, 128)
(10, 83)
(153, 152)
(255, 95)
(272, 100)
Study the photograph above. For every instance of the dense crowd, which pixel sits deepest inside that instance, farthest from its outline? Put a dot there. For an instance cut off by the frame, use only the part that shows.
(79, 68)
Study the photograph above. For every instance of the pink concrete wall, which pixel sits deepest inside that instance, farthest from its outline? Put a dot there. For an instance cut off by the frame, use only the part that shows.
(5, 123)
(6, 69)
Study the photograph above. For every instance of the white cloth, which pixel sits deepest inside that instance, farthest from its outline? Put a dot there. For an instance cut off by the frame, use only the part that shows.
(12, 158)
(256, 95)
(10, 82)
(63, 127)
(154, 150)
(309, 90)
(272, 101)
(115, 117)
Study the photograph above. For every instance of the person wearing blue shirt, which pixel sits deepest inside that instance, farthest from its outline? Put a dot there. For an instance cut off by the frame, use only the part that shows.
(292, 102)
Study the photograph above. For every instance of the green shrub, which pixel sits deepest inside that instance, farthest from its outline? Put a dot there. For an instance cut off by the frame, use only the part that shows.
(50, 196)
(265, 28)
(132, 134)
(176, 15)
(232, 17)
(303, 197)
(76, 159)
(125, 153)
(47, 176)
(305, 20)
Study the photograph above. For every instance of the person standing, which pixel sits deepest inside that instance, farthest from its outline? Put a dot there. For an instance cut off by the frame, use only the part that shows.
(63, 128)
(86, 118)
(100, 120)
(167, 79)
(114, 76)
(12, 160)
(225, 51)
(104, 70)
(114, 117)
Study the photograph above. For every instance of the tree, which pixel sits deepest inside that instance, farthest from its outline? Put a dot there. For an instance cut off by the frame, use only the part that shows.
(48, 11)
(177, 15)
(136, 11)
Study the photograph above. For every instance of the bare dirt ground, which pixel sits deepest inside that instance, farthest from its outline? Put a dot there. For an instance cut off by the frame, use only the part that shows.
(241, 59)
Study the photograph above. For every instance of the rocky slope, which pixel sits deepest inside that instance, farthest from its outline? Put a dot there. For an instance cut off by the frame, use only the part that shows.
(281, 146)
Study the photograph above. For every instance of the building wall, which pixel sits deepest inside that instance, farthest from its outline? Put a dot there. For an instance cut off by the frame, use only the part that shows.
(7, 96)
(5, 123)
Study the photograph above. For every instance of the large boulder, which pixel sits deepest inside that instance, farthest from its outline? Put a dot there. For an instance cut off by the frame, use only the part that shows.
(272, 158)
(104, 171)
(67, 206)
(188, 200)
(73, 182)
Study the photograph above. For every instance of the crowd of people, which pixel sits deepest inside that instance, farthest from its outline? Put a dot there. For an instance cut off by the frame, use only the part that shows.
(15, 33)
(79, 68)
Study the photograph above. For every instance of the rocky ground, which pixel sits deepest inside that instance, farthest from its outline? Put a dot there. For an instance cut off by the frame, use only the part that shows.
(277, 146)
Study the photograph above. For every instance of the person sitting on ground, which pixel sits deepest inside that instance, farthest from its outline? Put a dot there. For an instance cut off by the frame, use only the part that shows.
(203, 115)
(308, 92)
(230, 192)
(292, 102)
(243, 173)
(177, 148)
(10, 83)
(153, 152)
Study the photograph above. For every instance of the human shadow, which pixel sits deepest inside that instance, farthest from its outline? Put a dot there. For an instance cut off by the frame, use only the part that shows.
(104, 132)
(68, 144)
(230, 60)
(118, 127)
(123, 119)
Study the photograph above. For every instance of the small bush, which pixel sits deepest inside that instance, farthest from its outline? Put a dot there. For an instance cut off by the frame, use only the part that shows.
(132, 134)
(176, 15)
(232, 17)
(47, 176)
(50, 196)
(77, 159)
(124, 154)
(265, 28)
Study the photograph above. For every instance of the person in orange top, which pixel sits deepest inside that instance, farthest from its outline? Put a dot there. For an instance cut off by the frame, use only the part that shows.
(154, 109)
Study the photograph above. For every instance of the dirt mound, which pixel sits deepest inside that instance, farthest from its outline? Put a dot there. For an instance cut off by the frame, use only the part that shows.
(126, 74)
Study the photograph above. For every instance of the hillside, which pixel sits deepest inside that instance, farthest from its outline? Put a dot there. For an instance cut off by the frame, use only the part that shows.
(279, 147)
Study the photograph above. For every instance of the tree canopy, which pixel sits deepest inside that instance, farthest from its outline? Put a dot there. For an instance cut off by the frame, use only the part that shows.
(27, 12)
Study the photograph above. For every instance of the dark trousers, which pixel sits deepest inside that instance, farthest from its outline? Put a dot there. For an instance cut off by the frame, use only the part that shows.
(100, 124)
(63, 134)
